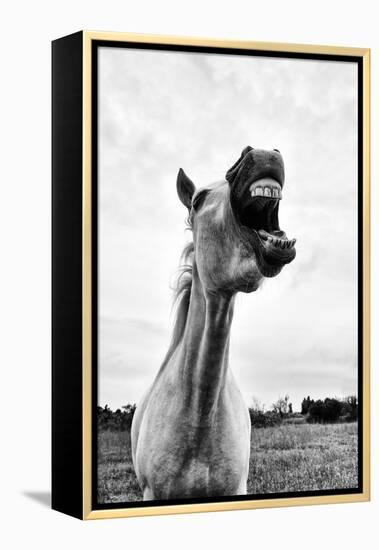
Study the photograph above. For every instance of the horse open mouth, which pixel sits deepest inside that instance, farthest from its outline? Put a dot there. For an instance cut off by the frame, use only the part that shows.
(256, 183)
(258, 212)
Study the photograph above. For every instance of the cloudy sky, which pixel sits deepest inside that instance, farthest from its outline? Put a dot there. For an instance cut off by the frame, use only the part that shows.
(159, 111)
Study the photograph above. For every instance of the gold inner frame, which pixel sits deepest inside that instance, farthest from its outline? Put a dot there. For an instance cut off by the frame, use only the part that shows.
(88, 512)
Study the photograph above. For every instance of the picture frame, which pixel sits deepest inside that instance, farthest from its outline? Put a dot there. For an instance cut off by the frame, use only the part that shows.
(75, 268)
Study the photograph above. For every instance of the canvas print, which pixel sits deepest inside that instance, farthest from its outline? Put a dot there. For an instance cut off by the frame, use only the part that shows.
(228, 295)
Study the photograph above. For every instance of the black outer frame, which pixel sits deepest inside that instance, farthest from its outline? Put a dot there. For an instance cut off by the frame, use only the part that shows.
(67, 163)
(67, 414)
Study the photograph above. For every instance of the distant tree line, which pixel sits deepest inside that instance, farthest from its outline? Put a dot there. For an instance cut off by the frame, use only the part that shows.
(312, 411)
(330, 409)
(118, 420)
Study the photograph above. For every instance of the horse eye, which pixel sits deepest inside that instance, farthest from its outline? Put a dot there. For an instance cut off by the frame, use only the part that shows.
(199, 199)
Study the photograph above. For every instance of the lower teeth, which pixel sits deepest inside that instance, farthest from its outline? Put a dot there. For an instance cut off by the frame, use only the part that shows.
(280, 243)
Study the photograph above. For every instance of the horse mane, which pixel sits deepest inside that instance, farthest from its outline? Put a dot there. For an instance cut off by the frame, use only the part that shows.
(182, 295)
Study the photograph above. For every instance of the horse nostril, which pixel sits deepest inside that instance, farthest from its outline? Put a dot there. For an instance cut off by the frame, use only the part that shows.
(277, 150)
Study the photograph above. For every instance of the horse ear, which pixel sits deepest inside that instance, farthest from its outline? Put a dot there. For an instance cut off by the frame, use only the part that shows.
(185, 188)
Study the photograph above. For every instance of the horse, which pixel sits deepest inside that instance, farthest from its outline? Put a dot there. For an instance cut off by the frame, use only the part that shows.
(191, 431)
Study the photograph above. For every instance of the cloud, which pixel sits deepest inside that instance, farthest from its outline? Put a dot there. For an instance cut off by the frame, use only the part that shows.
(126, 369)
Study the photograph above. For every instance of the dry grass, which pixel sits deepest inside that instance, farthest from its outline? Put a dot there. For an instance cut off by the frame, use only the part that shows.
(117, 481)
(287, 458)
(303, 457)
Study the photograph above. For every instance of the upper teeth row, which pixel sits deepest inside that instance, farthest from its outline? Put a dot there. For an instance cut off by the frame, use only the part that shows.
(266, 192)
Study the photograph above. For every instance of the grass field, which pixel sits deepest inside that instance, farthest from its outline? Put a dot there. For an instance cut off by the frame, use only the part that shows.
(290, 457)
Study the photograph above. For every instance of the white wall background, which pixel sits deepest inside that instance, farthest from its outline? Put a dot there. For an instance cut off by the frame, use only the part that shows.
(27, 28)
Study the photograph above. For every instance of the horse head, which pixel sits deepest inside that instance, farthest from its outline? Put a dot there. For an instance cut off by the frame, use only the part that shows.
(235, 222)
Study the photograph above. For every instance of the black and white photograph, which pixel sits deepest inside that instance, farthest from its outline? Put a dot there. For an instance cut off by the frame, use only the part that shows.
(228, 272)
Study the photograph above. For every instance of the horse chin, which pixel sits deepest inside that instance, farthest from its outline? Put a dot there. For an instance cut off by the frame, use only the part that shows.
(267, 270)
(270, 257)
(266, 257)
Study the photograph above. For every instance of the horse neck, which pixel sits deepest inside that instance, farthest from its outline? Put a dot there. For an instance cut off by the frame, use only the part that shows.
(204, 349)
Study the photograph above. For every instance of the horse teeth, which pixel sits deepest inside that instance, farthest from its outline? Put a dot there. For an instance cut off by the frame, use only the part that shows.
(266, 187)
(276, 241)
